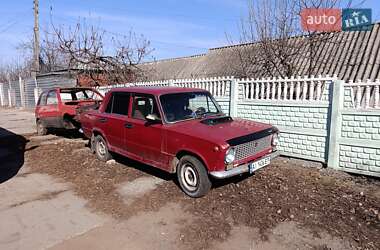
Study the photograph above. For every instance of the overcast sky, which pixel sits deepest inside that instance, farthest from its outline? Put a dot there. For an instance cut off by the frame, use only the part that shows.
(175, 28)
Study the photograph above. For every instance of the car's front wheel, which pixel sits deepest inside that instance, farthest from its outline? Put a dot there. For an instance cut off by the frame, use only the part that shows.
(193, 177)
(101, 149)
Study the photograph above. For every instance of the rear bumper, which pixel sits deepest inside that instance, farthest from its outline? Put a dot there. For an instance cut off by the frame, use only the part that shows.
(240, 169)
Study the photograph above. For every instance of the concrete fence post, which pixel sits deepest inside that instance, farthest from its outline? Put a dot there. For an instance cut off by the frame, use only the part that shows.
(37, 92)
(234, 95)
(10, 98)
(171, 83)
(2, 97)
(22, 91)
(335, 123)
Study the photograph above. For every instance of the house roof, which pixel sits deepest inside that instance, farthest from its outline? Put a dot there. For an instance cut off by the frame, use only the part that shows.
(351, 55)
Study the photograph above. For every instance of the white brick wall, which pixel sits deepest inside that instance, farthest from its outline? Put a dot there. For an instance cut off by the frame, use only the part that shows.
(361, 127)
(303, 128)
(298, 117)
(305, 146)
(359, 158)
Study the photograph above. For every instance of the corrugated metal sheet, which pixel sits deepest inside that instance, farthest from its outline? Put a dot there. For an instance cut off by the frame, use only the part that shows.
(4, 94)
(14, 87)
(30, 85)
(54, 80)
(351, 55)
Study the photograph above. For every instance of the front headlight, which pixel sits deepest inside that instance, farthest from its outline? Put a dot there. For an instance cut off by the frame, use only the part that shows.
(275, 139)
(230, 155)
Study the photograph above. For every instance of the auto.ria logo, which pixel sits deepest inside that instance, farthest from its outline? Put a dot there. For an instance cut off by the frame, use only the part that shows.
(356, 19)
(332, 19)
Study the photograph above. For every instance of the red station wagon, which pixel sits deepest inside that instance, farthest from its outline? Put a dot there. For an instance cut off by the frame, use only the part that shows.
(59, 107)
(179, 130)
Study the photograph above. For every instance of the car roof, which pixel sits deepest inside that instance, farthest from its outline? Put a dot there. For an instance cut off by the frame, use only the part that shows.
(157, 90)
(67, 88)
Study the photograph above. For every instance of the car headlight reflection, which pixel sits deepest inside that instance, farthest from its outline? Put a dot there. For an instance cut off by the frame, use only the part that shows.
(275, 140)
(230, 155)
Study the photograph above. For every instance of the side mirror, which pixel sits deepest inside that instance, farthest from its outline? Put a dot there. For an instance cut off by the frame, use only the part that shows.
(153, 118)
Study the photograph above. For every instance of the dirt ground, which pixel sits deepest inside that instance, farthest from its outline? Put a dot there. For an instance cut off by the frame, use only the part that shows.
(55, 194)
(331, 210)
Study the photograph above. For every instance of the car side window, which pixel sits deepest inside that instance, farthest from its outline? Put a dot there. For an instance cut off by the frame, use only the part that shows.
(52, 98)
(118, 103)
(42, 100)
(144, 105)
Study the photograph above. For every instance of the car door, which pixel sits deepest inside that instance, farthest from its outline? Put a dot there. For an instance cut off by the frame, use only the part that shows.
(113, 120)
(52, 116)
(144, 139)
(41, 106)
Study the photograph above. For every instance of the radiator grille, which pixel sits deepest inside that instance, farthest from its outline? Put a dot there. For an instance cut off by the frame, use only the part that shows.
(251, 148)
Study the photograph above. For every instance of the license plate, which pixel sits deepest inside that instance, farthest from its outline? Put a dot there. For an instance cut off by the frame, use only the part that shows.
(253, 166)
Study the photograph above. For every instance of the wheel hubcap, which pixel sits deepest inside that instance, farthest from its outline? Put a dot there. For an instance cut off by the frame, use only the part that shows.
(101, 148)
(39, 128)
(189, 177)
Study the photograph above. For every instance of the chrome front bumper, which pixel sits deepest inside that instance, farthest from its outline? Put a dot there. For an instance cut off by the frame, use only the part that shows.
(240, 169)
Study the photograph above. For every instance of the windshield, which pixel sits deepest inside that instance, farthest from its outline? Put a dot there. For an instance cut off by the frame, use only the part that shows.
(182, 106)
(79, 94)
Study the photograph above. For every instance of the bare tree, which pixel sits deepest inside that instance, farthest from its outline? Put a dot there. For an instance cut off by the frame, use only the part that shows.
(275, 43)
(91, 53)
(85, 49)
(14, 70)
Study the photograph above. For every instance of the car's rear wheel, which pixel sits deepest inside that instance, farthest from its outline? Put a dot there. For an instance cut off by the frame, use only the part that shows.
(101, 149)
(41, 128)
(193, 177)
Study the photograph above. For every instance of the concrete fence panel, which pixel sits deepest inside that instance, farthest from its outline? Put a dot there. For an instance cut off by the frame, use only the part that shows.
(299, 107)
(358, 129)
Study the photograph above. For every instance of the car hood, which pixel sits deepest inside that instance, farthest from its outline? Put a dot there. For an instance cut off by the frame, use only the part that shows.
(220, 132)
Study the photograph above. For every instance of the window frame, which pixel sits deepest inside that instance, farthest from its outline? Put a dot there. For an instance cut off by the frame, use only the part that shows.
(42, 97)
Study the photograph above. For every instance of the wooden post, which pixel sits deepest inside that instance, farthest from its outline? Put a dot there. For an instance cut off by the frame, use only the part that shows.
(36, 42)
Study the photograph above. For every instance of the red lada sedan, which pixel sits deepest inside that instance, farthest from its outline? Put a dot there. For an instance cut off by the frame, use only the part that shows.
(179, 130)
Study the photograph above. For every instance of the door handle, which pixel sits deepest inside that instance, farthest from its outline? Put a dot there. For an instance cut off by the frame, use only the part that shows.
(102, 120)
(128, 125)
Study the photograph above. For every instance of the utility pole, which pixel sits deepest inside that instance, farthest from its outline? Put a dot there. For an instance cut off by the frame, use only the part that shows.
(36, 47)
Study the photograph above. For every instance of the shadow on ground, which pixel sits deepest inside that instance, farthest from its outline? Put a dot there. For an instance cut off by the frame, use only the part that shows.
(172, 177)
(12, 149)
(66, 133)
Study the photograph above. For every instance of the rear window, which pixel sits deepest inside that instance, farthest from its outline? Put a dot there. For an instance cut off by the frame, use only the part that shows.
(79, 94)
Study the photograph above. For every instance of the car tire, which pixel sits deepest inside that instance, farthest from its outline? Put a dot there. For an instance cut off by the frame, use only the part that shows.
(41, 128)
(193, 177)
(101, 149)
(92, 144)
